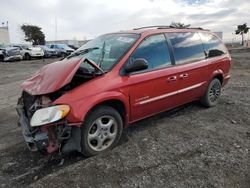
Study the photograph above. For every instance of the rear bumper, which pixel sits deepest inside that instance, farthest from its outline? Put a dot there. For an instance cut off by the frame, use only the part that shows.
(39, 54)
(51, 54)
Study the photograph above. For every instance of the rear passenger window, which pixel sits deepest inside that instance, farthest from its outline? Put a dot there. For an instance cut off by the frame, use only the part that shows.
(213, 46)
(187, 47)
(154, 50)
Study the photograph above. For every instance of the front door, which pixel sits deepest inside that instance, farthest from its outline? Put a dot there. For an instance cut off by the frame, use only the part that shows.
(154, 89)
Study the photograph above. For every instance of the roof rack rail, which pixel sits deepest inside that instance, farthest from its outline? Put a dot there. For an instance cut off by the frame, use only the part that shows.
(200, 28)
(154, 26)
(167, 27)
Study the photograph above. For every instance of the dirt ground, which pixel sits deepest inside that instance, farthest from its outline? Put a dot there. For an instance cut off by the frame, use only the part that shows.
(191, 146)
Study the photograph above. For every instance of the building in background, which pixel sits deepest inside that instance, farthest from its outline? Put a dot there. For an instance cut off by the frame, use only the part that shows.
(4, 35)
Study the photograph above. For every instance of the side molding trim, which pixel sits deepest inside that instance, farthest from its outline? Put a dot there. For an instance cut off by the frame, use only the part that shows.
(169, 94)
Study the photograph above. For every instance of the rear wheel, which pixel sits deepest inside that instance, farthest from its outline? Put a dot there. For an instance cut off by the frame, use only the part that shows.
(27, 56)
(1, 58)
(212, 95)
(101, 131)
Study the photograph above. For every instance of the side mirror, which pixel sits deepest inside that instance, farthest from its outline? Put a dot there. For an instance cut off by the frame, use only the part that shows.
(137, 65)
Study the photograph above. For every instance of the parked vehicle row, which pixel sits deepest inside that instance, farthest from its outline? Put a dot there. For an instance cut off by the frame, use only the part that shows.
(27, 52)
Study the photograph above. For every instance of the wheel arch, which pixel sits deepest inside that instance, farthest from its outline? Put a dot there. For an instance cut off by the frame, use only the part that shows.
(115, 99)
(117, 104)
(218, 74)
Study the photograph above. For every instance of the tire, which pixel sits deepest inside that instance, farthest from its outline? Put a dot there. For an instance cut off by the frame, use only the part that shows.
(64, 55)
(212, 95)
(27, 56)
(1, 58)
(101, 131)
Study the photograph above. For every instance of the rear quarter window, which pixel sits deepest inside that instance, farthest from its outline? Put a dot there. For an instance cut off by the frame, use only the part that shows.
(212, 45)
(187, 47)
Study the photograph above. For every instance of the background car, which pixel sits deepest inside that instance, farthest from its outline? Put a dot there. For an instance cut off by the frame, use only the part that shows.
(63, 50)
(29, 51)
(1, 55)
(48, 52)
(10, 54)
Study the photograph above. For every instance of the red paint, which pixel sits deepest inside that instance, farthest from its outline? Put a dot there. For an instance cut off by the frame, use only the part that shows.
(53, 143)
(131, 89)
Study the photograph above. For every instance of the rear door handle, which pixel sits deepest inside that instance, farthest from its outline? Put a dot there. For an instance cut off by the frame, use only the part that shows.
(172, 78)
(183, 76)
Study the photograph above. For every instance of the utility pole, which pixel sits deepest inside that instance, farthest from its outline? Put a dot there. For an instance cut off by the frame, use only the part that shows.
(55, 29)
(232, 39)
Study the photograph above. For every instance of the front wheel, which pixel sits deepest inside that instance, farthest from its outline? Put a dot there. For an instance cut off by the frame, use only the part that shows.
(212, 95)
(101, 131)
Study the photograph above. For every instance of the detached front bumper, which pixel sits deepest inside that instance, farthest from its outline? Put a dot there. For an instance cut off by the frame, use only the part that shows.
(14, 57)
(48, 138)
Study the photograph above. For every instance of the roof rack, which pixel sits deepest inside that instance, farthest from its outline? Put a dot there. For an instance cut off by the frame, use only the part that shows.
(166, 27)
(154, 26)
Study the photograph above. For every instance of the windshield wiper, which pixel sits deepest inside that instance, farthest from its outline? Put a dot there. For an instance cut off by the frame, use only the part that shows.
(84, 51)
(94, 65)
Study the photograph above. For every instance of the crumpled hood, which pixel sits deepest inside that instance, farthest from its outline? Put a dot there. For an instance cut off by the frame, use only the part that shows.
(52, 77)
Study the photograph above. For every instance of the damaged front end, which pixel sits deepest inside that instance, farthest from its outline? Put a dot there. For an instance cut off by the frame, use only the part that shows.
(44, 124)
(44, 127)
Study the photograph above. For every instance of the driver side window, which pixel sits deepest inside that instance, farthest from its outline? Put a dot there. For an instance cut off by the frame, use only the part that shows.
(154, 50)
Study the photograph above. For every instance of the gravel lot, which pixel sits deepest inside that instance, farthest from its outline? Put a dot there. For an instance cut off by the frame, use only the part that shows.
(191, 146)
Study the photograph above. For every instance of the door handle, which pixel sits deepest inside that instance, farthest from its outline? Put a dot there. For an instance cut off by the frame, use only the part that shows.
(172, 78)
(183, 76)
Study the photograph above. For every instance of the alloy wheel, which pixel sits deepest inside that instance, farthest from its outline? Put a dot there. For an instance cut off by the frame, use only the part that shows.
(102, 133)
(214, 92)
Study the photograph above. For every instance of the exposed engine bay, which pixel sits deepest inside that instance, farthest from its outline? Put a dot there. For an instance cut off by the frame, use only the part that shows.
(81, 76)
(59, 135)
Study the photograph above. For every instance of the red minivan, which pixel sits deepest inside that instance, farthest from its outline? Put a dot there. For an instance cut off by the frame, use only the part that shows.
(83, 102)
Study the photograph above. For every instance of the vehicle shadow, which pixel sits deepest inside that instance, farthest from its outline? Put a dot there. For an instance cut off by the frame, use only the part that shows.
(178, 111)
(17, 163)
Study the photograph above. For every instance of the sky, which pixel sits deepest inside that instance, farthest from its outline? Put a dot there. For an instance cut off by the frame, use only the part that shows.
(85, 19)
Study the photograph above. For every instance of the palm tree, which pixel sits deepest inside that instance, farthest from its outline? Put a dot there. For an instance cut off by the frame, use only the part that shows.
(241, 30)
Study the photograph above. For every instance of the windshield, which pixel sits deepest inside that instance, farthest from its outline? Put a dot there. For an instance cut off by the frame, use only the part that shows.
(106, 50)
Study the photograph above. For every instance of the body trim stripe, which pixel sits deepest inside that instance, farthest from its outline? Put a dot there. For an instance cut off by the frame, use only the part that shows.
(169, 94)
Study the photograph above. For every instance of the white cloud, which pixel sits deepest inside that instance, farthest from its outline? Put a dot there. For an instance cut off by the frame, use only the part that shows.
(82, 18)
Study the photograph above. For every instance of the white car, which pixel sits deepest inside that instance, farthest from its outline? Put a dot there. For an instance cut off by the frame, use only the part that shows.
(29, 52)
